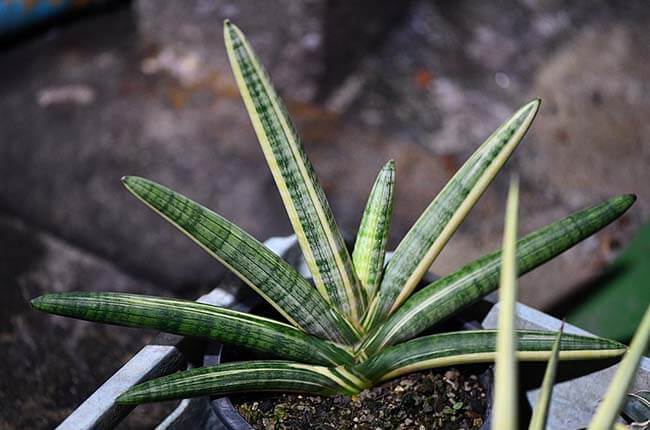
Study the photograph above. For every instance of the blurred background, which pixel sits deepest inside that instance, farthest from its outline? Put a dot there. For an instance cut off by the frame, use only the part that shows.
(91, 91)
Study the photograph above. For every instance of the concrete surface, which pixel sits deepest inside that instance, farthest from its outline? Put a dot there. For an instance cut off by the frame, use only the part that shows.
(147, 90)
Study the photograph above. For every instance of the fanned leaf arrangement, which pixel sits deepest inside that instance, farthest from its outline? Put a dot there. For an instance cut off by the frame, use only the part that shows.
(352, 329)
(437, 224)
(505, 414)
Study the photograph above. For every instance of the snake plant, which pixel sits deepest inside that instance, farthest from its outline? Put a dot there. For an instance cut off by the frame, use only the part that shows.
(360, 321)
(505, 394)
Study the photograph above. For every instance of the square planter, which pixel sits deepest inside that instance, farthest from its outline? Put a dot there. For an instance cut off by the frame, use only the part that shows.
(574, 401)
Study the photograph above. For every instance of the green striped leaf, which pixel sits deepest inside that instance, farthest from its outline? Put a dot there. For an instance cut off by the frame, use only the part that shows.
(319, 237)
(611, 405)
(269, 275)
(424, 241)
(479, 346)
(504, 415)
(447, 295)
(247, 376)
(370, 246)
(540, 414)
(189, 318)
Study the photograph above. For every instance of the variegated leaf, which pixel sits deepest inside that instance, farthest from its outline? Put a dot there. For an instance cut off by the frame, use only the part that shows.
(447, 295)
(269, 275)
(189, 318)
(246, 376)
(370, 246)
(309, 212)
(437, 224)
(479, 346)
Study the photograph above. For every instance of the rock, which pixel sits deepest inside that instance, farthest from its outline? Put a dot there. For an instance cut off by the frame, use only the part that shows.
(53, 363)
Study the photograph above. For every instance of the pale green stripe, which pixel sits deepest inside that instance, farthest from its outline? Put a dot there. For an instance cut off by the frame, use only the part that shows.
(370, 246)
(229, 378)
(273, 278)
(303, 197)
(424, 241)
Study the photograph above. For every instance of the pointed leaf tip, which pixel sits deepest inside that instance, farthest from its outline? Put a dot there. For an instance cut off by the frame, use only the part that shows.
(36, 302)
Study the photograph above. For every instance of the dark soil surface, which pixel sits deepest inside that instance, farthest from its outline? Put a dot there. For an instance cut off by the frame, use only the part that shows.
(421, 401)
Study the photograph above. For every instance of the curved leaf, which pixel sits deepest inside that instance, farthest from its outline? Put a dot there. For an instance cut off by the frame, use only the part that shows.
(189, 318)
(479, 346)
(309, 212)
(609, 408)
(424, 241)
(269, 275)
(370, 246)
(447, 295)
(247, 376)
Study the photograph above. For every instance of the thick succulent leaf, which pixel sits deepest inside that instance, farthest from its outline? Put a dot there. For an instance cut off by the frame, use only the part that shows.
(247, 376)
(189, 318)
(611, 405)
(540, 414)
(504, 415)
(319, 237)
(636, 408)
(269, 275)
(370, 246)
(479, 346)
(437, 224)
(447, 295)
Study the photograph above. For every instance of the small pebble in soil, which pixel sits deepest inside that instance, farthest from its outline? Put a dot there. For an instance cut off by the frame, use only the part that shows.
(419, 401)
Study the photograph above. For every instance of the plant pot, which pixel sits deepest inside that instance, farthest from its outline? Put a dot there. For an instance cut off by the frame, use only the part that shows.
(573, 401)
(228, 414)
(578, 392)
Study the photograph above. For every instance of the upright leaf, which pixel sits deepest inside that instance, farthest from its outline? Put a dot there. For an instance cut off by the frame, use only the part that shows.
(370, 246)
(479, 346)
(319, 237)
(437, 224)
(540, 414)
(611, 405)
(189, 318)
(269, 275)
(505, 368)
(246, 376)
(447, 295)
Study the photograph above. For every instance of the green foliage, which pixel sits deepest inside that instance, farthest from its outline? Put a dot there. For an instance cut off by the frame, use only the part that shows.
(356, 326)
(505, 389)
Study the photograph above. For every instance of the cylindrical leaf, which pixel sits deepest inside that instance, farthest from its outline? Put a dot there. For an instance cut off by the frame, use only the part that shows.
(194, 319)
(439, 221)
(273, 278)
(451, 349)
(370, 246)
(303, 197)
(247, 376)
(447, 295)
